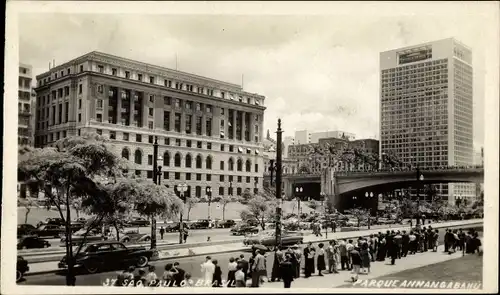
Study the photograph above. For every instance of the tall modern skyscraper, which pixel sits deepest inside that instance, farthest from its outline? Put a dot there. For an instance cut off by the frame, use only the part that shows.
(25, 100)
(426, 107)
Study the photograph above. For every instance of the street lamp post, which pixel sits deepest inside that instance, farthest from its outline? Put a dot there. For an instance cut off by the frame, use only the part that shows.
(278, 184)
(322, 196)
(209, 196)
(156, 180)
(369, 196)
(181, 188)
(299, 191)
(420, 178)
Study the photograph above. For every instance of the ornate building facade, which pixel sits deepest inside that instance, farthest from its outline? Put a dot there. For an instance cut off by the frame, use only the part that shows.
(209, 132)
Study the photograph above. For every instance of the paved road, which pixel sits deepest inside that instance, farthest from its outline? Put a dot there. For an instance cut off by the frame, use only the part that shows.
(195, 236)
(189, 264)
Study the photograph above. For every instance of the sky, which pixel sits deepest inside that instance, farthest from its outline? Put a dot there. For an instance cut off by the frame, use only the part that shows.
(317, 72)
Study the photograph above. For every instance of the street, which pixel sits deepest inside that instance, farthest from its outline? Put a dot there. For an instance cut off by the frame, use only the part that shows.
(189, 264)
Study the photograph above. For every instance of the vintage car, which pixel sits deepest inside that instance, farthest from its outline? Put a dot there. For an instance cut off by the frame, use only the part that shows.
(25, 229)
(22, 268)
(109, 255)
(243, 229)
(78, 236)
(138, 221)
(51, 221)
(133, 235)
(267, 238)
(49, 230)
(32, 242)
(200, 224)
(228, 223)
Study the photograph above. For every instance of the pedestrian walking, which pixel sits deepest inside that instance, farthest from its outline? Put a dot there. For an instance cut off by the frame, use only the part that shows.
(413, 242)
(162, 232)
(208, 270)
(309, 254)
(405, 244)
(217, 275)
(278, 259)
(398, 240)
(287, 271)
(344, 258)
(185, 234)
(435, 238)
(331, 256)
(365, 257)
(356, 264)
(349, 247)
(239, 277)
(258, 268)
(321, 259)
(298, 257)
(231, 271)
(244, 265)
(447, 240)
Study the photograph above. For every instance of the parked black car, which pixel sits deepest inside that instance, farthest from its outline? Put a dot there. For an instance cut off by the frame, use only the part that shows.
(25, 229)
(138, 221)
(32, 242)
(49, 230)
(22, 268)
(228, 223)
(100, 255)
(174, 227)
(243, 229)
(51, 221)
(201, 224)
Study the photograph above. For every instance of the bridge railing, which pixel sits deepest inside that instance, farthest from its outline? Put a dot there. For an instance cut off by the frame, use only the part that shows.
(390, 170)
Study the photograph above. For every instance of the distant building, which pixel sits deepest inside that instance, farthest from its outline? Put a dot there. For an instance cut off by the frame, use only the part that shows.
(426, 107)
(26, 118)
(479, 157)
(316, 136)
(302, 137)
(288, 141)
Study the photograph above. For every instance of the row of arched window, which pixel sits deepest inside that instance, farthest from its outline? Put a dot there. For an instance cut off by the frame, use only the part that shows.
(188, 161)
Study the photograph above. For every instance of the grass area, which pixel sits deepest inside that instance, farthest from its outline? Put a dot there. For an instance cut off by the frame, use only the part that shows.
(467, 269)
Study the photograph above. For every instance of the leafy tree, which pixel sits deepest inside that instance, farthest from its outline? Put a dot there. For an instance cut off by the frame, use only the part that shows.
(190, 204)
(27, 204)
(246, 196)
(360, 214)
(224, 200)
(259, 209)
(407, 207)
(67, 170)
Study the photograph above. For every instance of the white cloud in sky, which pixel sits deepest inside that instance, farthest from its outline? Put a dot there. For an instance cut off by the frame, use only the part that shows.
(317, 72)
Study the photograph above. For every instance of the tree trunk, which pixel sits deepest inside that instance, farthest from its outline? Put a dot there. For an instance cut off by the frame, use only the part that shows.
(70, 276)
(223, 211)
(117, 231)
(189, 211)
(77, 213)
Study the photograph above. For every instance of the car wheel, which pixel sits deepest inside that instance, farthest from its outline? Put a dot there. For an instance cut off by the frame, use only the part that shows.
(19, 276)
(147, 239)
(91, 266)
(126, 240)
(142, 261)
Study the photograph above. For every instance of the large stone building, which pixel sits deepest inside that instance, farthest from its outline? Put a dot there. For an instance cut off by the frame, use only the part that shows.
(25, 99)
(209, 131)
(426, 107)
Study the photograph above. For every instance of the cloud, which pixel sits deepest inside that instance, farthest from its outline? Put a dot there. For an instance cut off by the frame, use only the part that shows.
(317, 72)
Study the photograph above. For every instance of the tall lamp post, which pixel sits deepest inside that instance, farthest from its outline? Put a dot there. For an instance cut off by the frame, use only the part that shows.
(369, 196)
(209, 196)
(420, 178)
(182, 189)
(157, 161)
(298, 191)
(278, 184)
(322, 199)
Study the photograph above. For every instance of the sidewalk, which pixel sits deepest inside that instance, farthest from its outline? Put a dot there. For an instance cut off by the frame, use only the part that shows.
(51, 266)
(378, 269)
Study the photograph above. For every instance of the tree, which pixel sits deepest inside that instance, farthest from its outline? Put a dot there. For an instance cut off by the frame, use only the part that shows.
(246, 196)
(67, 170)
(360, 214)
(224, 200)
(27, 203)
(259, 209)
(407, 207)
(190, 204)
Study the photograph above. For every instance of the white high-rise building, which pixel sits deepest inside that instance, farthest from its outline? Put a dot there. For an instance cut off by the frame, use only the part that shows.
(302, 137)
(426, 107)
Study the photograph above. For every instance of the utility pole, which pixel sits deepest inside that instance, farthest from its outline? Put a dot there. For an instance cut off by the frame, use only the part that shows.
(155, 179)
(278, 184)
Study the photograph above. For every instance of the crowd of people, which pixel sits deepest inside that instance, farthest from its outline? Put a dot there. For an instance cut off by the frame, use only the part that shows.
(356, 256)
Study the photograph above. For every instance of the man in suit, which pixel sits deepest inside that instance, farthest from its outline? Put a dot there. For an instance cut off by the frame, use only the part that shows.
(287, 271)
(258, 268)
(244, 265)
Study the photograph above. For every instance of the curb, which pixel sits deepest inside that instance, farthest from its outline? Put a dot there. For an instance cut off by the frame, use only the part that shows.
(474, 224)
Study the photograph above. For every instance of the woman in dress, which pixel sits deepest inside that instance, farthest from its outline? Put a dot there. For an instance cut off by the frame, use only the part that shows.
(321, 259)
(231, 270)
(217, 277)
(365, 257)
